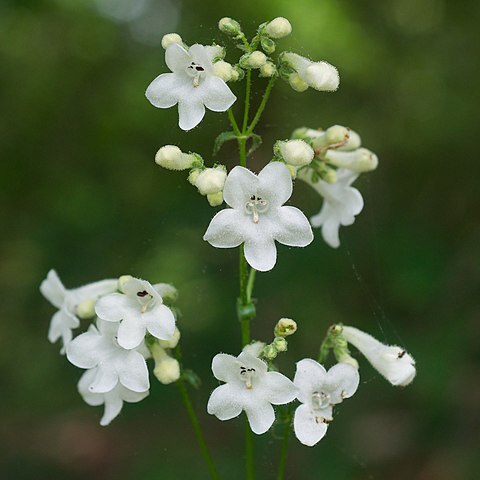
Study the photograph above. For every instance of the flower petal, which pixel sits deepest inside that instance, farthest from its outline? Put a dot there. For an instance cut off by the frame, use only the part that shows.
(52, 289)
(260, 416)
(92, 291)
(320, 218)
(249, 360)
(279, 388)
(292, 227)
(190, 113)
(225, 367)
(167, 89)
(330, 232)
(309, 376)
(93, 399)
(106, 378)
(225, 229)
(160, 322)
(134, 373)
(203, 55)
(307, 429)
(131, 332)
(116, 307)
(130, 396)
(216, 95)
(84, 351)
(260, 253)
(223, 403)
(345, 378)
(177, 58)
(240, 185)
(352, 205)
(113, 406)
(275, 183)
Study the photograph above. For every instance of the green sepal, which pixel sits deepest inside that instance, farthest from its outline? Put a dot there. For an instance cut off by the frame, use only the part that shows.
(267, 44)
(256, 142)
(246, 312)
(221, 139)
(192, 378)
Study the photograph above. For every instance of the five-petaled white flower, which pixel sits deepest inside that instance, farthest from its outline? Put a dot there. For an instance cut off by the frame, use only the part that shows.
(248, 387)
(341, 203)
(393, 362)
(257, 217)
(98, 349)
(319, 390)
(193, 84)
(138, 310)
(67, 302)
(113, 400)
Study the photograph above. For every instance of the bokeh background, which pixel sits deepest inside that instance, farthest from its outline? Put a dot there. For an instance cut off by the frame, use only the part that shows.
(80, 192)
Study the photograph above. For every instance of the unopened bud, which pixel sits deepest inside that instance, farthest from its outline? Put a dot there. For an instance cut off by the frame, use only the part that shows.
(280, 344)
(86, 309)
(167, 291)
(253, 60)
(337, 134)
(297, 83)
(285, 327)
(172, 158)
(322, 76)
(254, 348)
(360, 160)
(223, 70)
(304, 133)
(122, 281)
(167, 371)
(278, 28)
(296, 152)
(229, 26)
(215, 199)
(268, 70)
(170, 38)
(293, 171)
(193, 175)
(173, 342)
(211, 180)
(270, 352)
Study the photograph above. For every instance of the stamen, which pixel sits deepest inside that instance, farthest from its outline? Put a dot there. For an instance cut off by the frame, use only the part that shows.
(247, 376)
(320, 400)
(255, 206)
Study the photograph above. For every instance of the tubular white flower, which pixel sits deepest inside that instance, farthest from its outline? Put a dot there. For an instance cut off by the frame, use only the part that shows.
(319, 75)
(296, 152)
(393, 362)
(211, 180)
(319, 391)
(257, 217)
(98, 349)
(278, 28)
(170, 38)
(113, 400)
(67, 301)
(193, 84)
(172, 158)
(297, 82)
(138, 310)
(248, 387)
(341, 203)
(360, 160)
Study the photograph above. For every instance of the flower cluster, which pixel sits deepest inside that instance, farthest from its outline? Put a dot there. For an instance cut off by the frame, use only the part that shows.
(129, 322)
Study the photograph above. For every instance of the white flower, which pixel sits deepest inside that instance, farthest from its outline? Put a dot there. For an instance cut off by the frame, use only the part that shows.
(249, 387)
(319, 390)
(138, 310)
(113, 400)
(296, 152)
(278, 28)
(211, 180)
(393, 362)
(68, 301)
(98, 349)
(257, 217)
(360, 160)
(172, 158)
(341, 203)
(319, 75)
(192, 84)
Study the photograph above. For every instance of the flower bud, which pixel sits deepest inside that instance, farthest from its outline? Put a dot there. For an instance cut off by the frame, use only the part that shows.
(173, 342)
(172, 158)
(193, 175)
(255, 59)
(268, 70)
(337, 134)
(285, 327)
(329, 175)
(304, 133)
(223, 70)
(270, 352)
(280, 344)
(170, 38)
(229, 26)
(167, 291)
(347, 358)
(293, 171)
(393, 362)
(297, 83)
(360, 160)
(122, 281)
(86, 309)
(354, 141)
(167, 371)
(278, 28)
(254, 348)
(296, 152)
(215, 199)
(211, 180)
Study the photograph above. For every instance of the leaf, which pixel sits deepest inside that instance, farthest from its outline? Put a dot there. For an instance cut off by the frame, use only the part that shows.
(221, 139)
(256, 142)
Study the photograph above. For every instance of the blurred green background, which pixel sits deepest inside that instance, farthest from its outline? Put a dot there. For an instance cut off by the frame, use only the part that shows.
(80, 192)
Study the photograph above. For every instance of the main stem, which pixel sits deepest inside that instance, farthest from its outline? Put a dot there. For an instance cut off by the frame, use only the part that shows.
(286, 437)
(197, 429)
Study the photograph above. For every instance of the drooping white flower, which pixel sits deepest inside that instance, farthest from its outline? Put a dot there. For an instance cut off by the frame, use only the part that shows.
(319, 391)
(393, 362)
(360, 160)
(113, 400)
(68, 303)
(172, 158)
(341, 203)
(138, 310)
(319, 75)
(98, 349)
(257, 217)
(249, 387)
(192, 84)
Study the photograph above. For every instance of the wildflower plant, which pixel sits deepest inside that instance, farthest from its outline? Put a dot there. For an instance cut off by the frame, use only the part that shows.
(130, 321)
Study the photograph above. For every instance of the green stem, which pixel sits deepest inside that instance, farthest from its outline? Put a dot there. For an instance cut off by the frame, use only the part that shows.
(233, 122)
(286, 437)
(262, 105)
(247, 101)
(249, 464)
(250, 284)
(197, 429)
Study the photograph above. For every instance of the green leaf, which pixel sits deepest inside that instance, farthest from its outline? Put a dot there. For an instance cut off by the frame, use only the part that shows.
(221, 139)
(256, 142)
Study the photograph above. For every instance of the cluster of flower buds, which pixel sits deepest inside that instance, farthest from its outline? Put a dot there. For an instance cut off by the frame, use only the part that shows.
(131, 320)
(284, 328)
